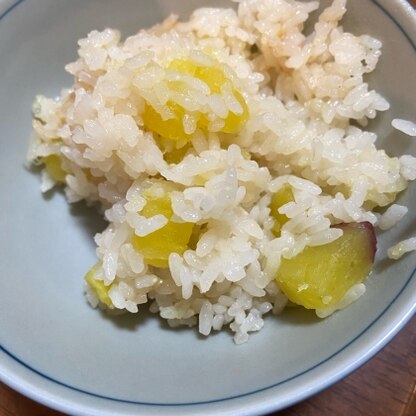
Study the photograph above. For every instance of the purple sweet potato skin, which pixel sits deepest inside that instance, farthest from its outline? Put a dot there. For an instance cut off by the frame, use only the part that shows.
(370, 232)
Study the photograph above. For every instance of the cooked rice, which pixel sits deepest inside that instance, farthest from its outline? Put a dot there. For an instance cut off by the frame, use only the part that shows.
(392, 216)
(405, 126)
(401, 248)
(302, 94)
(351, 296)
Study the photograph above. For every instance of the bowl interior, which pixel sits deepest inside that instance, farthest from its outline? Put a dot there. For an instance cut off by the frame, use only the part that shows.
(53, 344)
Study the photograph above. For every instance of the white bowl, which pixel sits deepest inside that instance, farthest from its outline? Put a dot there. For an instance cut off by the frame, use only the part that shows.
(57, 350)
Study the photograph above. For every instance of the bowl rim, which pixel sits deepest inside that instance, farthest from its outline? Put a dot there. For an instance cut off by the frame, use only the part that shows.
(332, 369)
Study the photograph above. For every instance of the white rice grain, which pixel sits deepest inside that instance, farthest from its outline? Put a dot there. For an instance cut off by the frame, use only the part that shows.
(401, 248)
(392, 216)
(405, 126)
(206, 317)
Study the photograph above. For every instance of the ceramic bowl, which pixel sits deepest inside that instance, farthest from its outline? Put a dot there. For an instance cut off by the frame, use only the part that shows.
(57, 350)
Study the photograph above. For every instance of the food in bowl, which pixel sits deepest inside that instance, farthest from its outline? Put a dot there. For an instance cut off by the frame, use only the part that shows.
(229, 155)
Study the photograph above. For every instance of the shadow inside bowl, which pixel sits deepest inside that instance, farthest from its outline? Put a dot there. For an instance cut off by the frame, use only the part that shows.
(88, 218)
(382, 265)
(297, 316)
(135, 321)
(127, 321)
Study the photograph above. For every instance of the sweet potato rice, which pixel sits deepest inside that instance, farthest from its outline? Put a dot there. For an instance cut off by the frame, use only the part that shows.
(230, 158)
